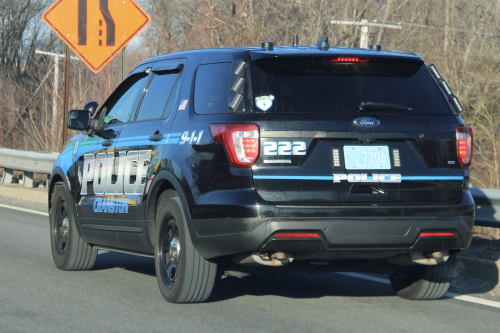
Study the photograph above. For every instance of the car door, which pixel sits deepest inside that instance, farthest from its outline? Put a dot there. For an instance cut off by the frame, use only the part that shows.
(99, 182)
(142, 142)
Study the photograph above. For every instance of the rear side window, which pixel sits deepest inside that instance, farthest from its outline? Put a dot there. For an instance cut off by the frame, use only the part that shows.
(155, 100)
(319, 86)
(212, 88)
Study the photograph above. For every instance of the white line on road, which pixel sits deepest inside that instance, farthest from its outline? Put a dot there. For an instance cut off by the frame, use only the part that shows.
(448, 294)
(25, 210)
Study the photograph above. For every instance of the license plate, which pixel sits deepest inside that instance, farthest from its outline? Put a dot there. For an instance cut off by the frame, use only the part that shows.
(367, 158)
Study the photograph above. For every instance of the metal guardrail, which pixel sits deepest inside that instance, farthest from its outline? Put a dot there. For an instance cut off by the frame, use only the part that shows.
(487, 201)
(27, 161)
(487, 207)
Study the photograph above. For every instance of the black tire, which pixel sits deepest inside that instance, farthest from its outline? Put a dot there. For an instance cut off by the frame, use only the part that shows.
(69, 251)
(183, 275)
(424, 282)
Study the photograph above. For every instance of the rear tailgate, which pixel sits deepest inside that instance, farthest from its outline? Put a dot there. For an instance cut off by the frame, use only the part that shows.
(313, 152)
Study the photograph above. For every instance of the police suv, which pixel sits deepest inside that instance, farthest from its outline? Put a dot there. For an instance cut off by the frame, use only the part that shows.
(251, 159)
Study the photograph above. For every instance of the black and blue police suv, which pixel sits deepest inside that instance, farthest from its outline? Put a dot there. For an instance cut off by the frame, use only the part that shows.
(239, 160)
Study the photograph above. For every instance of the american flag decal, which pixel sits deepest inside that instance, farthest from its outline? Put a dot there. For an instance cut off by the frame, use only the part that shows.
(183, 105)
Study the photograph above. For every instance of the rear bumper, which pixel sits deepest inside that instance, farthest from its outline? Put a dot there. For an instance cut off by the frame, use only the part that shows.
(365, 236)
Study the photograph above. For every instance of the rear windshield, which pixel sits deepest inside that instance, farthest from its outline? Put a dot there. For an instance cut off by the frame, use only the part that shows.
(315, 85)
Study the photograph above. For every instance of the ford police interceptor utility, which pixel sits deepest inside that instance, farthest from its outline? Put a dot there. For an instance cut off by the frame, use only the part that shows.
(251, 159)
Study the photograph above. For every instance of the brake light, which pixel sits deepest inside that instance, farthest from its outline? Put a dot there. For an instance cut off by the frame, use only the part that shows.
(465, 144)
(297, 235)
(241, 142)
(437, 234)
(349, 59)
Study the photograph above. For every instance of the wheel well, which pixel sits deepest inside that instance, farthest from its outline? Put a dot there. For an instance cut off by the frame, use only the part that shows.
(56, 180)
(159, 188)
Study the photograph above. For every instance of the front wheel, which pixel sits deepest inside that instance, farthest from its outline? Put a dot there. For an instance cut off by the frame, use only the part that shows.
(183, 275)
(424, 282)
(69, 251)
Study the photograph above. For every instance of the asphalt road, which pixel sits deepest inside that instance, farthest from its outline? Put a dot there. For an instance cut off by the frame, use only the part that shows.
(121, 295)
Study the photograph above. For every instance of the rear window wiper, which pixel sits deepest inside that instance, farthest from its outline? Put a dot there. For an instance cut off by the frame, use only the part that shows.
(364, 106)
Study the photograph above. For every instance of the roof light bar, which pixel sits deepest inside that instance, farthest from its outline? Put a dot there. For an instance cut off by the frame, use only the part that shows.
(434, 71)
(445, 86)
(457, 104)
(442, 82)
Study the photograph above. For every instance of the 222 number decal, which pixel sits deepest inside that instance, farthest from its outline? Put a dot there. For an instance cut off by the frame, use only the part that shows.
(284, 148)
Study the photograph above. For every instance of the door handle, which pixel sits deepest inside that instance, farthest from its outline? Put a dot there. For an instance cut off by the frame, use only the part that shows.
(156, 137)
(107, 143)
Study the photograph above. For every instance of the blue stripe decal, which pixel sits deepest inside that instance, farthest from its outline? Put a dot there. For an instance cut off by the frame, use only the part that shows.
(133, 138)
(173, 141)
(331, 177)
(296, 177)
(432, 177)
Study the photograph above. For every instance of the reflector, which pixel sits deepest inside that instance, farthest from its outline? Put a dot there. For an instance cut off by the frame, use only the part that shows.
(297, 235)
(437, 234)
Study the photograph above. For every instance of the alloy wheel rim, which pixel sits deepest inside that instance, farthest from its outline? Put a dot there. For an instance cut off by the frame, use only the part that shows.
(61, 229)
(169, 253)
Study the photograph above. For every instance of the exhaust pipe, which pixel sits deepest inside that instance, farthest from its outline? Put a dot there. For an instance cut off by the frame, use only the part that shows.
(420, 258)
(263, 258)
(433, 258)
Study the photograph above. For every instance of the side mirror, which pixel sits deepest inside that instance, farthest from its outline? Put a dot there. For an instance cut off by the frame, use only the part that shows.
(79, 119)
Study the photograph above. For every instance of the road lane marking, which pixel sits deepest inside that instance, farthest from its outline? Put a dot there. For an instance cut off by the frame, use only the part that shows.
(471, 299)
(464, 298)
(25, 210)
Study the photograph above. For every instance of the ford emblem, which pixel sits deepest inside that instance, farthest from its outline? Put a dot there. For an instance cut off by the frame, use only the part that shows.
(366, 122)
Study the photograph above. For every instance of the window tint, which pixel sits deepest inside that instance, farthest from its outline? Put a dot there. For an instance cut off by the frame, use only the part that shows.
(157, 93)
(319, 86)
(212, 88)
(122, 106)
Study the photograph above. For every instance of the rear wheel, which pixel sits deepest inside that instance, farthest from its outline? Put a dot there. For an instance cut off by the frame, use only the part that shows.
(69, 251)
(183, 275)
(424, 282)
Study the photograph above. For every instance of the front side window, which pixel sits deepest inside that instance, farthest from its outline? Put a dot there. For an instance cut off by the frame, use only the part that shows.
(122, 105)
(157, 94)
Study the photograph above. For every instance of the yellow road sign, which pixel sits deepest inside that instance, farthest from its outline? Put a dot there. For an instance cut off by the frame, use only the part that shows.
(96, 30)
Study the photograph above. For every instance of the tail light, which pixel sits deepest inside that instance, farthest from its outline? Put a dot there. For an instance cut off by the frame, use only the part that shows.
(241, 142)
(464, 145)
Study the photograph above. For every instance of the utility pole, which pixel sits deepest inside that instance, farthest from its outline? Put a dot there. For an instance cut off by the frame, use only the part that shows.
(57, 57)
(364, 24)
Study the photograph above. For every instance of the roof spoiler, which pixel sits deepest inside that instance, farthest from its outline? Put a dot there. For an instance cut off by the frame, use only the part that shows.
(322, 44)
